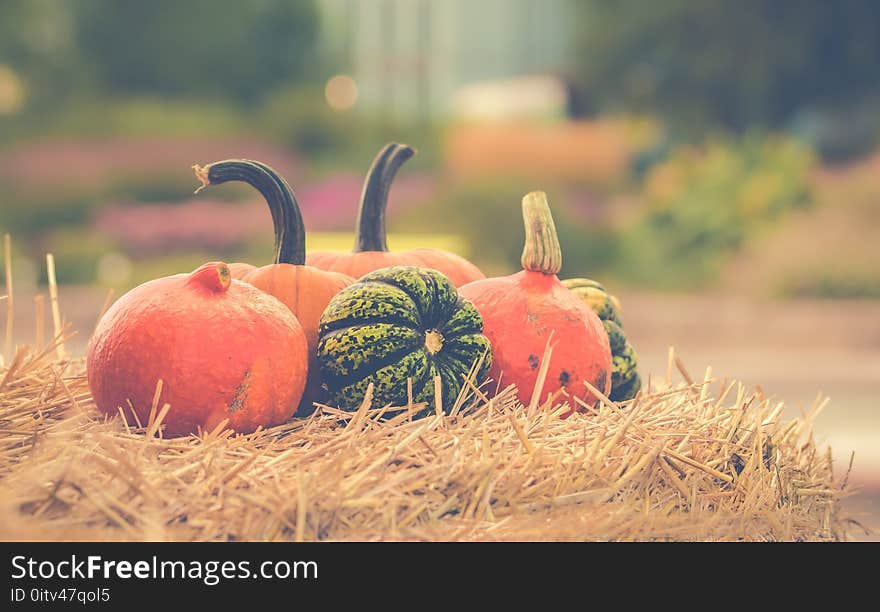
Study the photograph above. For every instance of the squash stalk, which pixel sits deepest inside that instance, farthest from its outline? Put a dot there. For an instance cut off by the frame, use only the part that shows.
(290, 237)
(541, 252)
(370, 232)
(433, 341)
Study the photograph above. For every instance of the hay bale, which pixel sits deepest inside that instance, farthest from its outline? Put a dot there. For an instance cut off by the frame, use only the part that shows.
(704, 460)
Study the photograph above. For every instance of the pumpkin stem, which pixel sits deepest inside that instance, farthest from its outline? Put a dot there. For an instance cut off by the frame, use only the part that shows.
(370, 228)
(433, 341)
(541, 252)
(290, 236)
(213, 276)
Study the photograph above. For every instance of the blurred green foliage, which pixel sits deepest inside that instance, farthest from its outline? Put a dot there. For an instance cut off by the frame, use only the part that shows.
(38, 40)
(837, 282)
(698, 206)
(300, 118)
(77, 252)
(232, 48)
(488, 215)
(127, 118)
(28, 212)
(253, 69)
(740, 65)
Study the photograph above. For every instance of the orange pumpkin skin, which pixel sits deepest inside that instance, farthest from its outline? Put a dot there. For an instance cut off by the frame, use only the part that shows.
(222, 348)
(456, 268)
(522, 310)
(239, 270)
(306, 291)
(519, 312)
(371, 246)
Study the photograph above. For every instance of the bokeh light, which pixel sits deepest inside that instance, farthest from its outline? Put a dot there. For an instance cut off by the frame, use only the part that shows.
(341, 92)
(113, 269)
(11, 91)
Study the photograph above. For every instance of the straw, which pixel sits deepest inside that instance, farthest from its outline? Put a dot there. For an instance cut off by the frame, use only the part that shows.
(53, 297)
(677, 463)
(10, 305)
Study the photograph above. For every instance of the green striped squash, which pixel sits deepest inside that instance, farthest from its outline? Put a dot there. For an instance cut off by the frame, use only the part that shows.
(595, 296)
(625, 379)
(616, 337)
(398, 324)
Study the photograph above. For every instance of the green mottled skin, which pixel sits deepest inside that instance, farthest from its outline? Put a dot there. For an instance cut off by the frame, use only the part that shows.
(578, 283)
(359, 347)
(623, 366)
(375, 332)
(616, 337)
(625, 379)
(599, 301)
(627, 390)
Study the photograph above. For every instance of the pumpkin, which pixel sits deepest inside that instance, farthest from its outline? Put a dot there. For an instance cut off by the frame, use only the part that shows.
(521, 311)
(222, 348)
(625, 379)
(596, 297)
(371, 248)
(395, 325)
(305, 290)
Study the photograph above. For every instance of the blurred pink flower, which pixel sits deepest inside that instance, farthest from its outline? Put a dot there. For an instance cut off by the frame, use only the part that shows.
(330, 204)
(87, 162)
(209, 224)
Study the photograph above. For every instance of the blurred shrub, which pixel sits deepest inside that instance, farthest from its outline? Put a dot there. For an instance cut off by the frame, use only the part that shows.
(159, 187)
(25, 215)
(77, 253)
(150, 230)
(733, 64)
(147, 269)
(27, 211)
(487, 216)
(231, 48)
(95, 117)
(837, 283)
(840, 134)
(300, 119)
(698, 206)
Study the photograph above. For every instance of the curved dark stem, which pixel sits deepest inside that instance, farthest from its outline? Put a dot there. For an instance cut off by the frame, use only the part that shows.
(370, 228)
(290, 237)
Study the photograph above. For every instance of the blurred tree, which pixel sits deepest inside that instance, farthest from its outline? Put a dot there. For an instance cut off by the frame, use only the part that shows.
(240, 48)
(37, 45)
(735, 63)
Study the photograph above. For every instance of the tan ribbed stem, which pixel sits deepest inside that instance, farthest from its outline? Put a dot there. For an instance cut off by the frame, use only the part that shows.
(541, 252)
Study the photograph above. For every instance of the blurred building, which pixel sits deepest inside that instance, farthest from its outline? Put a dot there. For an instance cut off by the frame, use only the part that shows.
(410, 57)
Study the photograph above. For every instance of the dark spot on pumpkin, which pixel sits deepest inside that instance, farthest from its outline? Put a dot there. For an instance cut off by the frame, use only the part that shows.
(240, 396)
(534, 361)
(600, 381)
(564, 378)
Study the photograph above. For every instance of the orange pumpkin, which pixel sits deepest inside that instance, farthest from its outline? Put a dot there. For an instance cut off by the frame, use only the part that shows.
(371, 247)
(522, 310)
(305, 290)
(222, 348)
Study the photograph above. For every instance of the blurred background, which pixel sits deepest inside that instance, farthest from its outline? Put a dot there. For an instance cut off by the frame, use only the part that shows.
(716, 164)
